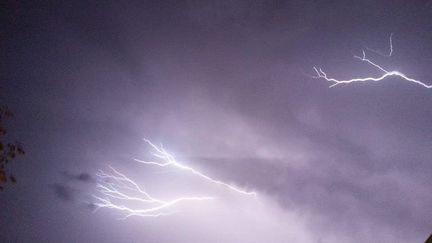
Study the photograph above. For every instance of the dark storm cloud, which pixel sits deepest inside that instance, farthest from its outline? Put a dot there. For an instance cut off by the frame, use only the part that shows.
(71, 189)
(225, 86)
(82, 177)
(64, 192)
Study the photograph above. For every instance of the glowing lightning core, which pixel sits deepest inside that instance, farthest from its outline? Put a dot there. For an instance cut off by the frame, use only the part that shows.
(118, 187)
(169, 160)
(321, 74)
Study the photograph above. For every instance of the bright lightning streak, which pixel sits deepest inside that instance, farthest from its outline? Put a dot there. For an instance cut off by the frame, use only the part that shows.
(364, 59)
(321, 74)
(169, 160)
(118, 187)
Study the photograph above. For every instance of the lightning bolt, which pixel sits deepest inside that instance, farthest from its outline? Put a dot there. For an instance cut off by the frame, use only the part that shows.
(383, 54)
(169, 160)
(117, 187)
(321, 74)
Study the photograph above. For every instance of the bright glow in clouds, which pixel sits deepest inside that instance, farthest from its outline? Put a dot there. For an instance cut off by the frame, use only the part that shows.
(119, 191)
(116, 186)
(169, 160)
(321, 74)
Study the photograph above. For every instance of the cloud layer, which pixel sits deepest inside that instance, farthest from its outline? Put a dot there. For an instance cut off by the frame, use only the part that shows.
(226, 87)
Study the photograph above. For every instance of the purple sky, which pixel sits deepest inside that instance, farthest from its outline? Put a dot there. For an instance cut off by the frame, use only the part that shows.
(226, 87)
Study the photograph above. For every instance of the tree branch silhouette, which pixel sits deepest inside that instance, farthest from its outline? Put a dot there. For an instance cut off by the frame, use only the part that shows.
(8, 150)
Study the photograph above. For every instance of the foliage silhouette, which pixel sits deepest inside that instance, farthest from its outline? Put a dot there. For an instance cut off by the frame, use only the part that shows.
(8, 150)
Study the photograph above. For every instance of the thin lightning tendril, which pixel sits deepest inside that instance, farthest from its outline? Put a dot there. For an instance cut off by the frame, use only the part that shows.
(117, 189)
(169, 160)
(321, 74)
(381, 53)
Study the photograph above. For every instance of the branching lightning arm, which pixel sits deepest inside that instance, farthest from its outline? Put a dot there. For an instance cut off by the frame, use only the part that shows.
(169, 160)
(119, 190)
(321, 74)
(123, 194)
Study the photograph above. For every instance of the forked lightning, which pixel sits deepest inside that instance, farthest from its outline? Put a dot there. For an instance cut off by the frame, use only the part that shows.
(121, 193)
(321, 74)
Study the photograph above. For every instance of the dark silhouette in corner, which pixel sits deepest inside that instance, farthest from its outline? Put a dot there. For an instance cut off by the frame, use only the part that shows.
(429, 240)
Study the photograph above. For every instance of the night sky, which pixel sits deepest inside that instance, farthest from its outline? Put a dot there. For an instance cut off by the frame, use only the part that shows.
(227, 87)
